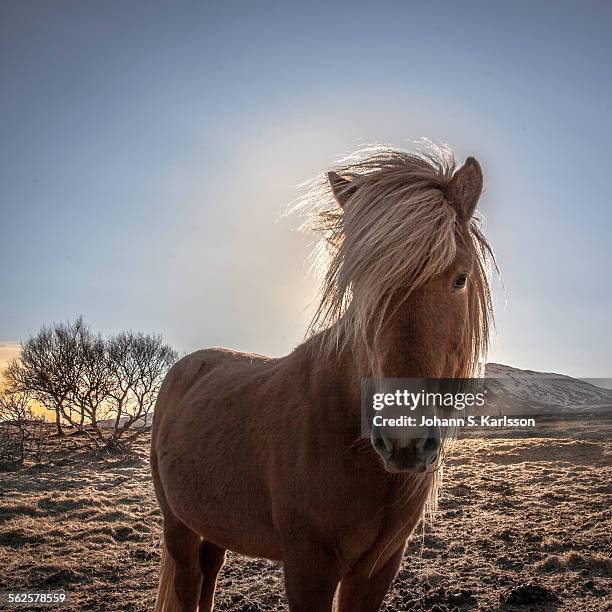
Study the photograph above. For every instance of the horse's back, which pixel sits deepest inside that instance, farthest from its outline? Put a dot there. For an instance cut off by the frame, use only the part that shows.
(194, 370)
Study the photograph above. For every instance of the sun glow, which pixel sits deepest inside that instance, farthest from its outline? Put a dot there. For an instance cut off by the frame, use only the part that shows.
(8, 352)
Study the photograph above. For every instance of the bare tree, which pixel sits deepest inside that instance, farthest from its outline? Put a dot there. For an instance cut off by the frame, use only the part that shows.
(49, 367)
(92, 384)
(14, 415)
(86, 378)
(138, 364)
(22, 433)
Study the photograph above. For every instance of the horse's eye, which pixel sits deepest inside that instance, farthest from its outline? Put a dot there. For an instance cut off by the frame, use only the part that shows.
(460, 281)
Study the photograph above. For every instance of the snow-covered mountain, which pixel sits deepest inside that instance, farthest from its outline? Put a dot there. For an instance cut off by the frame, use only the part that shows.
(514, 391)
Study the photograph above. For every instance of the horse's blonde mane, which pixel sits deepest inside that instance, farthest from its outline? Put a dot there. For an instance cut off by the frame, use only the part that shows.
(395, 232)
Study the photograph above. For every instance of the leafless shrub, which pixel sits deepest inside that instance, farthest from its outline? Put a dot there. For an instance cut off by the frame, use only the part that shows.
(22, 433)
(137, 364)
(48, 369)
(98, 388)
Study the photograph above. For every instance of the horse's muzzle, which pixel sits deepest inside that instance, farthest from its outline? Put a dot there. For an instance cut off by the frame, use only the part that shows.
(413, 455)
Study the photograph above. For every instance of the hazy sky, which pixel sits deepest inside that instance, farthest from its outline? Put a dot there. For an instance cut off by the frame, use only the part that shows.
(149, 147)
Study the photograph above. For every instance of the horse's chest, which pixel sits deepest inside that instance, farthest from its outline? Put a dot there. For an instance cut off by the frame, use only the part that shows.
(377, 539)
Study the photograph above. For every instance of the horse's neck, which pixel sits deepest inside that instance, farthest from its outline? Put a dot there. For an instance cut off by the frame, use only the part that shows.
(349, 365)
(323, 370)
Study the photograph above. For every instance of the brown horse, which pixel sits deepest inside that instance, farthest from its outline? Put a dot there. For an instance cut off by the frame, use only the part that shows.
(264, 456)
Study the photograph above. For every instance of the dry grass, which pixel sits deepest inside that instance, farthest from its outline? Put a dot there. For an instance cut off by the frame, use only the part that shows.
(512, 512)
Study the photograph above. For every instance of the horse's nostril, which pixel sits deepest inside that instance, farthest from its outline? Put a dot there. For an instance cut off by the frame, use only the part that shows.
(431, 444)
(382, 445)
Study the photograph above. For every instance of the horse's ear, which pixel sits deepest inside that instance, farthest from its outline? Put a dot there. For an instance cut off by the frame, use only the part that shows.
(465, 188)
(341, 187)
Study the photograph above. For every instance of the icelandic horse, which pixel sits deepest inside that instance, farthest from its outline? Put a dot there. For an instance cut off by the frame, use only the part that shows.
(264, 456)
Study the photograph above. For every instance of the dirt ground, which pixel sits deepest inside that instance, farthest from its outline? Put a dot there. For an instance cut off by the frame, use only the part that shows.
(521, 523)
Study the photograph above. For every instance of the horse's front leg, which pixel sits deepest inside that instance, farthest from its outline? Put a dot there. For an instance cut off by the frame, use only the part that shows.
(212, 559)
(311, 578)
(362, 592)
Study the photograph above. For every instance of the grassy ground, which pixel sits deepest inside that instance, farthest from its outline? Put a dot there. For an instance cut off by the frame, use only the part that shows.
(520, 522)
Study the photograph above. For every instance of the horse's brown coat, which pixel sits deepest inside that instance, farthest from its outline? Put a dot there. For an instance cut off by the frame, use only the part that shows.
(264, 456)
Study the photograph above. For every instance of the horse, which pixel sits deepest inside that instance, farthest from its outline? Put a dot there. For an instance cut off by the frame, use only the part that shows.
(265, 456)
